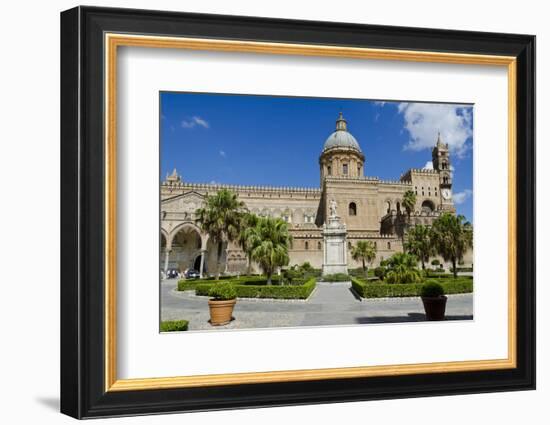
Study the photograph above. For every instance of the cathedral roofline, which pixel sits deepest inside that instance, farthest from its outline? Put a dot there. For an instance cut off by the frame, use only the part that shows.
(366, 179)
(218, 186)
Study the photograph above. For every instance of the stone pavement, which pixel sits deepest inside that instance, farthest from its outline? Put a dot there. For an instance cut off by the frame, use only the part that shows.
(330, 304)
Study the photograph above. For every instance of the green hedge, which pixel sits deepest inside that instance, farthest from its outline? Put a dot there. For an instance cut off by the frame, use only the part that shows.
(385, 290)
(336, 277)
(287, 292)
(191, 284)
(174, 325)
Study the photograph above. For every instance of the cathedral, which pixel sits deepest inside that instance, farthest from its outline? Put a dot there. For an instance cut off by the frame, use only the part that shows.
(369, 208)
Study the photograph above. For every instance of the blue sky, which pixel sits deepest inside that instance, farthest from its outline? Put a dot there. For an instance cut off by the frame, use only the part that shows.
(276, 141)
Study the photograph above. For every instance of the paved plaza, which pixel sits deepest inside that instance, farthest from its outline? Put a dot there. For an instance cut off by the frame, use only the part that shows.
(329, 304)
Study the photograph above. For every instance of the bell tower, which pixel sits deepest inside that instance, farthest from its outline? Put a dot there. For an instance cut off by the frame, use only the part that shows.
(442, 164)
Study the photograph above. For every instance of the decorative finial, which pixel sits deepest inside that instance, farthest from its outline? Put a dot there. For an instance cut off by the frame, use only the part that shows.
(341, 123)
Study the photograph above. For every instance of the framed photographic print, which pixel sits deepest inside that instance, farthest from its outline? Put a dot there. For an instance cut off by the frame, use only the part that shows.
(261, 212)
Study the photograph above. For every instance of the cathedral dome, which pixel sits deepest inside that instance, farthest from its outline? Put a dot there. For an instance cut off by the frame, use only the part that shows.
(341, 138)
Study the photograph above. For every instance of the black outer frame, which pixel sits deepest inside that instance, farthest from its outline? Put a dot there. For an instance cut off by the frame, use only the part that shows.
(82, 212)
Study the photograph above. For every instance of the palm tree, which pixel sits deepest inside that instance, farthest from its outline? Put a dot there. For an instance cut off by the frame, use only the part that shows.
(221, 219)
(452, 236)
(269, 241)
(364, 251)
(402, 269)
(248, 222)
(419, 243)
(409, 202)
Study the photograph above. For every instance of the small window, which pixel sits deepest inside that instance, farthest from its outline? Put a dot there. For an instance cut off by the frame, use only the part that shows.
(352, 208)
(375, 245)
(345, 169)
(359, 171)
(319, 246)
(389, 245)
(349, 245)
(306, 245)
(329, 170)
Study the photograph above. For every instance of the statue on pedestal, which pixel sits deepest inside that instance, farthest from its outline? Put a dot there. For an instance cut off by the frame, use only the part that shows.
(332, 207)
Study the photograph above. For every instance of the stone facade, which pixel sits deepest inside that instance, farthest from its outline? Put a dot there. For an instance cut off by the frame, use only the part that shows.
(370, 208)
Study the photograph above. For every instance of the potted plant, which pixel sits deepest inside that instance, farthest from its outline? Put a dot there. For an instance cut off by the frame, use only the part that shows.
(434, 300)
(223, 297)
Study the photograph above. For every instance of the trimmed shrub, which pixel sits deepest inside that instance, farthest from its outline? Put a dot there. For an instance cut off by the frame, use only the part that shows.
(223, 291)
(383, 290)
(187, 285)
(336, 277)
(380, 272)
(174, 325)
(435, 262)
(432, 289)
(290, 292)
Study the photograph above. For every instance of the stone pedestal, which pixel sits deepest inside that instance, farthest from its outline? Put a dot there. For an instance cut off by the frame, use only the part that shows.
(335, 251)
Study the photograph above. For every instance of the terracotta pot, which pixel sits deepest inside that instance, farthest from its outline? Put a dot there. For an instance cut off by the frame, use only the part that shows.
(221, 311)
(435, 307)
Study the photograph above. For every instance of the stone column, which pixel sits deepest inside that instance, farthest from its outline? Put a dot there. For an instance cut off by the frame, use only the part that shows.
(204, 243)
(166, 259)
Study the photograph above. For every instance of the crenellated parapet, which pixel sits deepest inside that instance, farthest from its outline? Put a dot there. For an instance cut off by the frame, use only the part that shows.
(407, 176)
(214, 187)
(366, 180)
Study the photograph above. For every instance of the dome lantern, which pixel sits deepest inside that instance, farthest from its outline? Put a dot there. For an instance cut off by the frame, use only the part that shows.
(341, 137)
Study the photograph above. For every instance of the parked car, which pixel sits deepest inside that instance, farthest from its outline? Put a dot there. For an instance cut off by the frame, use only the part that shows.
(172, 274)
(192, 274)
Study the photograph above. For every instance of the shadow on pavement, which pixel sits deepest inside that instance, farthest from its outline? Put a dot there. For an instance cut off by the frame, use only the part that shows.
(411, 317)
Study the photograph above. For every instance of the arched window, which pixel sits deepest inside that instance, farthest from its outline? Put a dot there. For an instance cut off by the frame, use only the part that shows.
(389, 245)
(319, 246)
(398, 207)
(375, 245)
(388, 204)
(349, 245)
(352, 209)
(306, 245)
(345, 169)
(329, 170)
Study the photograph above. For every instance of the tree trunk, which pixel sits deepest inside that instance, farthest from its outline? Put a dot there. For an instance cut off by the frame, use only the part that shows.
(218, 260)
(363, 265)
(248, 265)
(454, 267)
(269, 277)
(423, 265)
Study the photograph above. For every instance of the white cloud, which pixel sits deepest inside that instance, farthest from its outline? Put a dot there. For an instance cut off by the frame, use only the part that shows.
(222, 154)
(424, 120)
(195, 121)
(460, 197)
(429, 166)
